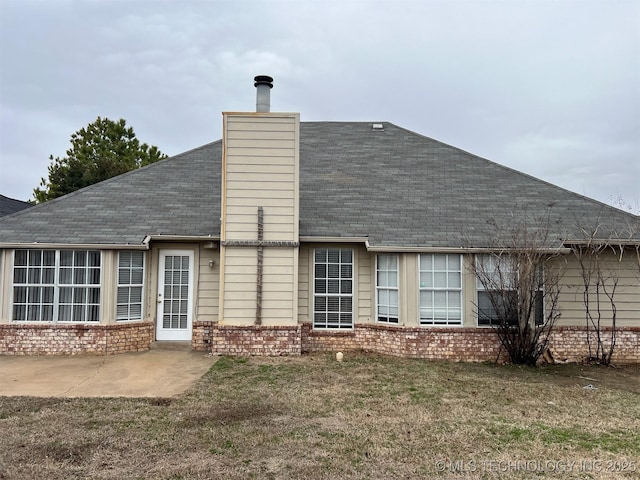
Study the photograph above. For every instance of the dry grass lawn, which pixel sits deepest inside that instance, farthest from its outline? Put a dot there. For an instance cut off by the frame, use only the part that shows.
(313, 418)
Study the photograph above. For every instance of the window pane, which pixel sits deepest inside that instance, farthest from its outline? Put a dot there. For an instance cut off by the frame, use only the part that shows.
(393, 298)
(64, 313)
(383, 297)
(47, 313)
(136, 294)
(320, 304)
(33, 313)
(334, 271)
(440, 280)
(34, 275)
(345, 304)
(80, 258)
(66, 295)
(66, 258)
(48, 275)
(440, 262)
(346, 271)
(20, 258)
(79, 276)
(136, 277)
(124, 259)
(47, 295)
(123, 295)
(122, 312)
(321, 271)
(454, 299)
(19, 295)
(136, 312)
(124, 276)
(35, 258)
(137, 259)
(19, 313)
(94, 259)
(93, 295)
(20, 275)
(66, 276)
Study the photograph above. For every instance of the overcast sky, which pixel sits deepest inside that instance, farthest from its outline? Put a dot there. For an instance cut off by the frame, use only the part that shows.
(550, 88)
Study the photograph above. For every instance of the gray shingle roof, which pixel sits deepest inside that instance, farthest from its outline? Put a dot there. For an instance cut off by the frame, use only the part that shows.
(394, 186)
(11, 205)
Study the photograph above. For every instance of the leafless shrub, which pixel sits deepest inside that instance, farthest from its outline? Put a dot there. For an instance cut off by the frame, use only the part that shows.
(599, 262)
(518, 291)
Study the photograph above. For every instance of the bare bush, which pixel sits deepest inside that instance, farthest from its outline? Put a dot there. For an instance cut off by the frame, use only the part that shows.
(599, 264)
(518, 290)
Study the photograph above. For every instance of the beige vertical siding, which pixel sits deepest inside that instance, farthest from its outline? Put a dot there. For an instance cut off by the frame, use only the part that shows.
(260, 169)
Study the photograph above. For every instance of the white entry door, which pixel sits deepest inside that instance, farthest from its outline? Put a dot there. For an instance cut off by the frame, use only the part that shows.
(175, 295)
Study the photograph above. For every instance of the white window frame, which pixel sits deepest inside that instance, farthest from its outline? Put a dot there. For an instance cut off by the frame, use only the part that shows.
(447, 289)
(342, 297)
(388, 319)
(130, 286)
(72, 286)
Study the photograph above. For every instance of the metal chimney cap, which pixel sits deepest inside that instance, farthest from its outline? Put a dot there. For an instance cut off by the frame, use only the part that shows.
(263, 80)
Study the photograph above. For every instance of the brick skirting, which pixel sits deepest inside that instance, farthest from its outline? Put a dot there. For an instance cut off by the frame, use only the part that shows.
(570, 343)
(462, 344)
(202, 335)
(65, 339)
(260, 340)
(456, 344)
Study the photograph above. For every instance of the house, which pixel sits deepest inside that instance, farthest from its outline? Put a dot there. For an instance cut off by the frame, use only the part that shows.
(11, 205)
(286, 237)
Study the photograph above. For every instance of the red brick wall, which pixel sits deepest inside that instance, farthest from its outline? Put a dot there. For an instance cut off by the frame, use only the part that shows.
(465, 344)
(48, 339)
(470, 344)
(256, 340)
(570, 343)
(202, 335)
(458, 344)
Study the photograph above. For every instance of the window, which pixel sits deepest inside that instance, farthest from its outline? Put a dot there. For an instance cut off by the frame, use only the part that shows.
(56, 286)
(440, 289)
(130, 284)
(497, 296)
(387, 288)
(333, 288)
